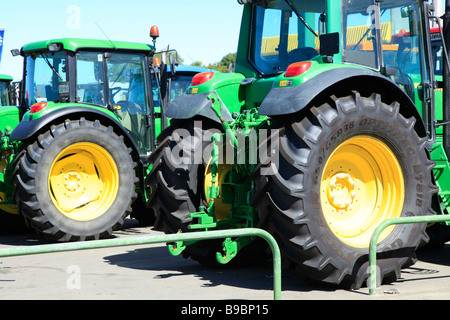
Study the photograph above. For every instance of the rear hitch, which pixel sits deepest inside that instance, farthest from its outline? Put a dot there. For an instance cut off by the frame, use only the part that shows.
(231, 248)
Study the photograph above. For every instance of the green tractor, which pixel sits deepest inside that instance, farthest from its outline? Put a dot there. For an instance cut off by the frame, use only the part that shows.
(329, 126)
(75, 151)
(6, 98)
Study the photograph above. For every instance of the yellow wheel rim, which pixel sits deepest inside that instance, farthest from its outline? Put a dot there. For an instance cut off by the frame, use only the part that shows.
(361, 186)
(83, 181)
(221, 209)
(12, 209)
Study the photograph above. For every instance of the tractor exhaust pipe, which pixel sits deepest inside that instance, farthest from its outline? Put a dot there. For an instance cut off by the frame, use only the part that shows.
(446, 79)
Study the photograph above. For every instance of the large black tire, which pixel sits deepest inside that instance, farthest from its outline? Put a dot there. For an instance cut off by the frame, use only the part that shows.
(329, 158)
(175, 175)
(141, 213)
(177, 186)
(76, 182)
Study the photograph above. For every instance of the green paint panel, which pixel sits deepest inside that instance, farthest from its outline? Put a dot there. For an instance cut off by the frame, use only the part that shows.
(9, 118)
(52, 107)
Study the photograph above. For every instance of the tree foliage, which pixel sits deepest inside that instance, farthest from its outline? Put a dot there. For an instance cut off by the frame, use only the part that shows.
(222, 66)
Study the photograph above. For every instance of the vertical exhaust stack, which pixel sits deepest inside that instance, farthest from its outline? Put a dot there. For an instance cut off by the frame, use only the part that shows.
(446, 74)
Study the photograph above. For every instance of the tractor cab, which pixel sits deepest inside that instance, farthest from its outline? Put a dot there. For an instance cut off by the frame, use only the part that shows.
(101, 75)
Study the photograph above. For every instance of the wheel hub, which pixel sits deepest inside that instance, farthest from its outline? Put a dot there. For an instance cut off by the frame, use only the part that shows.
(72, 181)
(341, 191)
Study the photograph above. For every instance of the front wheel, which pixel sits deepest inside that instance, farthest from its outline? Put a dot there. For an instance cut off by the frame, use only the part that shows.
(345, 167)
(76, 182)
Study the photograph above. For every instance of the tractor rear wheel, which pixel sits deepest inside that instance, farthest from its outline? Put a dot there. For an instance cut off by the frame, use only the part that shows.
(343, 168)
(76, 182)
(178, 182)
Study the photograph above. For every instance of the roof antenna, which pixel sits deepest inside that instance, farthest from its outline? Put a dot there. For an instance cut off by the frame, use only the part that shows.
(112, 43)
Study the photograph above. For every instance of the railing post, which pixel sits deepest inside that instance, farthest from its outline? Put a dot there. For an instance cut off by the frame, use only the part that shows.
(376, 235)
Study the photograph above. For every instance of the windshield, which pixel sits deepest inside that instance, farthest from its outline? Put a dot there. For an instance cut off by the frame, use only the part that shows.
(45, 77)
(386, 35)
(281, 38)
(4, 94)
(380, 34)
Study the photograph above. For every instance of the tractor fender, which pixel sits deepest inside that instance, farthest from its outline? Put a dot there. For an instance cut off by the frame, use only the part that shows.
(289, 100)
(28, 128)
(188, 106)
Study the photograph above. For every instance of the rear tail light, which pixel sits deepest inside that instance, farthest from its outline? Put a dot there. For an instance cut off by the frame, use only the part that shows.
(297, 69)
(202, 78)
(38, 107)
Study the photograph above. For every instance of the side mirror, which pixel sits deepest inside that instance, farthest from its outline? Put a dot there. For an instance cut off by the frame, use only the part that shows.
(173, 64)
(329, 44)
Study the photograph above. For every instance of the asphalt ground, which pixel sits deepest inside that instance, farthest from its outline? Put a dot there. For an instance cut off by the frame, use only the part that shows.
(149, 272)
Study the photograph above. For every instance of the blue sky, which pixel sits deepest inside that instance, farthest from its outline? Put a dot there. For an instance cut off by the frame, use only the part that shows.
(200, 30)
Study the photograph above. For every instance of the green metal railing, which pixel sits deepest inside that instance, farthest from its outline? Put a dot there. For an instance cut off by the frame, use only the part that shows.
(170, 238)
(376, 234)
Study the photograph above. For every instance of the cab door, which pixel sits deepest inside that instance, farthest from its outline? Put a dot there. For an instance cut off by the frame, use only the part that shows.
(129, 96)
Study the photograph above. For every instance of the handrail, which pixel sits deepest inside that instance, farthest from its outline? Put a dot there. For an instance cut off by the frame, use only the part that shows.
(376, 235)
(190, 236)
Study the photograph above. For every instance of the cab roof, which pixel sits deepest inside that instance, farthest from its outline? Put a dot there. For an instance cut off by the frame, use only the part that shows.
(4, 77)
(73, 44)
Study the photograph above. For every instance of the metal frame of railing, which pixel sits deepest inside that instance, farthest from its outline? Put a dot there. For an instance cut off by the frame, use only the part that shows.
(151, 239)
(376, 235)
